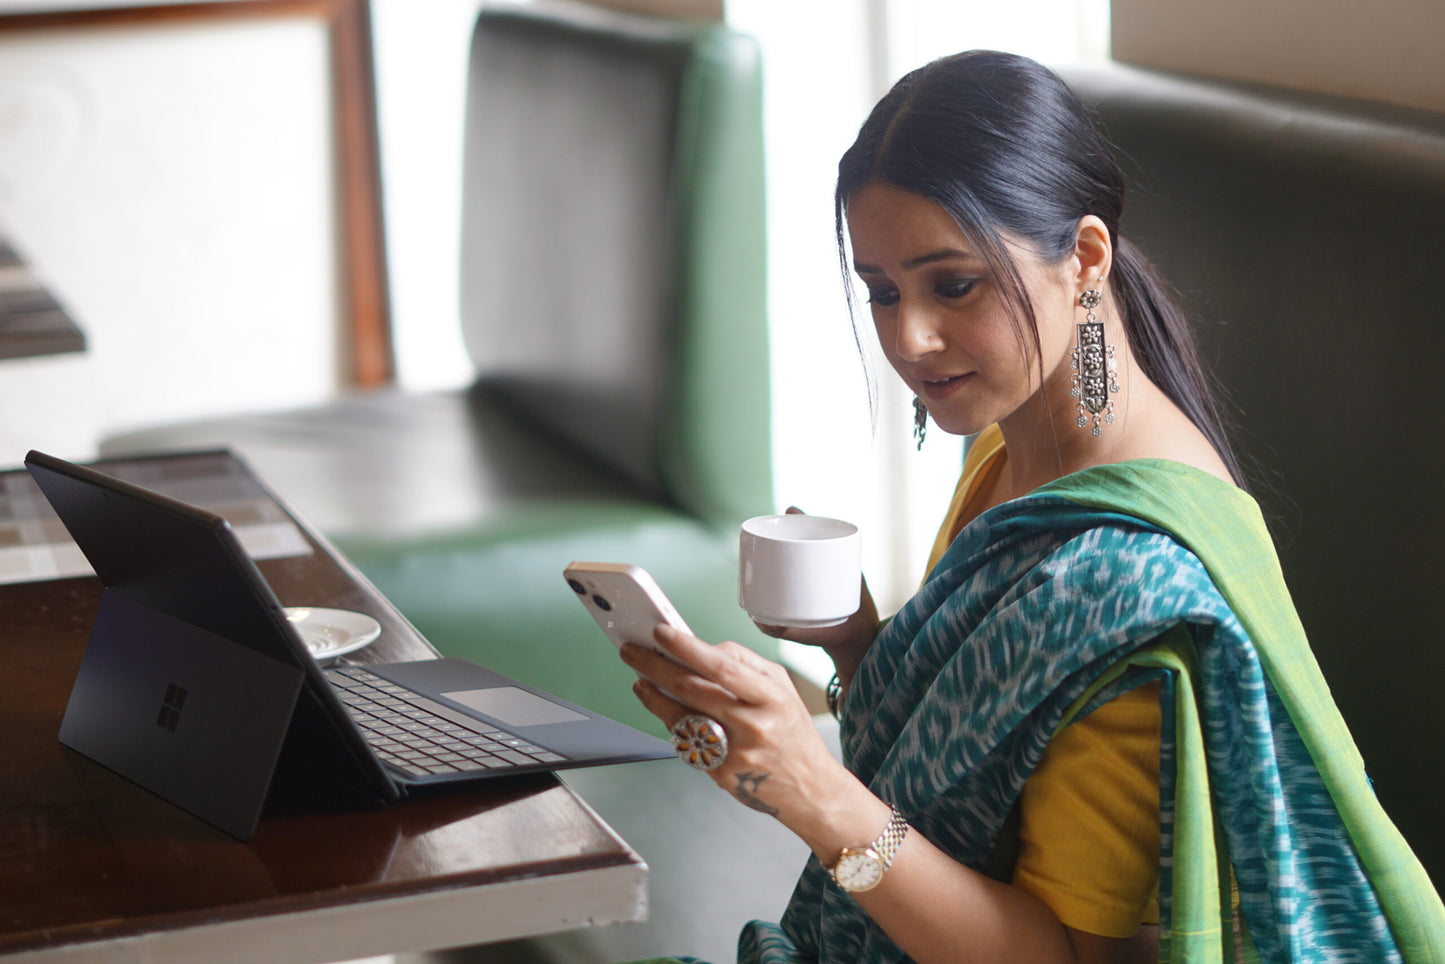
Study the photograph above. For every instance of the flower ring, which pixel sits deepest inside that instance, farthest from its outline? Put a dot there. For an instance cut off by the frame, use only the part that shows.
(700, 742)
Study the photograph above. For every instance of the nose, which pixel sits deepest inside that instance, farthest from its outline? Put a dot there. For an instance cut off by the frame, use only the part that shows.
(918, 332)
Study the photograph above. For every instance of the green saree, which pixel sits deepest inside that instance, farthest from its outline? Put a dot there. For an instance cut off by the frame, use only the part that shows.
(1046, 607)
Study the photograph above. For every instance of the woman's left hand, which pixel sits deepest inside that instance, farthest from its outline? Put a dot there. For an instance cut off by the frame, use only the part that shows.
(776, 761)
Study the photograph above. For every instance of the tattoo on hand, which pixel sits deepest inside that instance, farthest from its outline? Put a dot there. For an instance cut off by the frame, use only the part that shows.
(747, 783)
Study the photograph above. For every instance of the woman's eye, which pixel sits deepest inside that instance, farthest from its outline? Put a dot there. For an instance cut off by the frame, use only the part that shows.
(956, 289)
(882, 296)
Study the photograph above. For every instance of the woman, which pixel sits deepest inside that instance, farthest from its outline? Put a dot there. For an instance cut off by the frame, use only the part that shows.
(1101, 695)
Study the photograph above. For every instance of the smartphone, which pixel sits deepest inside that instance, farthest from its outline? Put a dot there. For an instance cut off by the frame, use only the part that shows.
(625, 601)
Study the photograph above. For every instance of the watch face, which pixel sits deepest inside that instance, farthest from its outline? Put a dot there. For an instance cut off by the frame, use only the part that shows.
(858, 871)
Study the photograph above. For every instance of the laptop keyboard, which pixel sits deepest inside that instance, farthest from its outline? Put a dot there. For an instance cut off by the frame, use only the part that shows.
(422, 737)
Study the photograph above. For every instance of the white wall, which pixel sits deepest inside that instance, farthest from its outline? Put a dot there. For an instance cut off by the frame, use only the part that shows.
(195, 251)
(1388, 51)
(196, 300)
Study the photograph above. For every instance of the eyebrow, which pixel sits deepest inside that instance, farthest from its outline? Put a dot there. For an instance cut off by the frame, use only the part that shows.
(942, 254)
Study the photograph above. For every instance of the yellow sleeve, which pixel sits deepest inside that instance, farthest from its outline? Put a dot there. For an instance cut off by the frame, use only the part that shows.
(1089, 819)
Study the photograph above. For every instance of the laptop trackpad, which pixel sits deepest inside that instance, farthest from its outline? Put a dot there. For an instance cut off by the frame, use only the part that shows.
(514, 707)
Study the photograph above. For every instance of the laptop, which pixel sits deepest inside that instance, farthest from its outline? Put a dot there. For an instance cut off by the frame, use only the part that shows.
(196, 685)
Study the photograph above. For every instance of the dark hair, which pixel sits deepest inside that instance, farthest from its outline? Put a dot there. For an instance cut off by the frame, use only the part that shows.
(1003, 145)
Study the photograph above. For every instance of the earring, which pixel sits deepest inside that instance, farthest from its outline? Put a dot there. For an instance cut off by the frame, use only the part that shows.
(1095, 367)
(920, 421)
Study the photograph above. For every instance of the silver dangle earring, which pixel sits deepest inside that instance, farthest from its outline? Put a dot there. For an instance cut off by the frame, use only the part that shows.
(1095, 367)
(920, 421)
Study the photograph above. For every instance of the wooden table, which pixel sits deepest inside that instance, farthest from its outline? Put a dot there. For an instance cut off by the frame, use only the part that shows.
(93, 868)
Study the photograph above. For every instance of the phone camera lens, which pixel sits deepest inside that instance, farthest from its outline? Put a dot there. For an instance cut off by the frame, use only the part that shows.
(602, 604)
(577, 587)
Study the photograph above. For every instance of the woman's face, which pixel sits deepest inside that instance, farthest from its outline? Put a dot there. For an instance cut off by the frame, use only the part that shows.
(941, 316)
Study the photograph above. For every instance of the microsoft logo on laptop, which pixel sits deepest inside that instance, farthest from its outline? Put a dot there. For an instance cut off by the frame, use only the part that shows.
(170, 715)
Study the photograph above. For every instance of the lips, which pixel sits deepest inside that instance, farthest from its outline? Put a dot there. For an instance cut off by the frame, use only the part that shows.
(940, 388)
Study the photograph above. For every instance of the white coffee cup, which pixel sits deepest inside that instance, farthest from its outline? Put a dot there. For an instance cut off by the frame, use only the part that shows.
(799, 570)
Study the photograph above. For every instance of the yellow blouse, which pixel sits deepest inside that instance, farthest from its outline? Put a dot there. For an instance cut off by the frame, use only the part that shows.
(1089, 815)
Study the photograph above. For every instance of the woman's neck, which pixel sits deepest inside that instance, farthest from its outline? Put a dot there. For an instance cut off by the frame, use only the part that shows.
(1045, 442)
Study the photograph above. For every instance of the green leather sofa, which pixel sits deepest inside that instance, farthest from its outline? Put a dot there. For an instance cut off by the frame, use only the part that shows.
(613, 305)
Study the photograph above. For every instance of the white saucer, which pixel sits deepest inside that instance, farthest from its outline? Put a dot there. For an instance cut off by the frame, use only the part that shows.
(329, 633)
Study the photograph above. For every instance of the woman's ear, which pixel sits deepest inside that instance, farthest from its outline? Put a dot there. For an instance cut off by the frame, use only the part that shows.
(1093, 252)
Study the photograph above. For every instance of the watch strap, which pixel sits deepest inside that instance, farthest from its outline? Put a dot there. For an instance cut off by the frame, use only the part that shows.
(888, 842)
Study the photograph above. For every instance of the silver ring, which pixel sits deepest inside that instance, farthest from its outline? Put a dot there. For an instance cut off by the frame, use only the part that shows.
(700, 742)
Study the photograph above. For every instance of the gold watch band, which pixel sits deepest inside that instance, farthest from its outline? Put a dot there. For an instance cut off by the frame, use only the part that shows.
(887, 844)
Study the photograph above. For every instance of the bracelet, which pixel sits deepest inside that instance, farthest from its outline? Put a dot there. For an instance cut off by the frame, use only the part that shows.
(833, 693)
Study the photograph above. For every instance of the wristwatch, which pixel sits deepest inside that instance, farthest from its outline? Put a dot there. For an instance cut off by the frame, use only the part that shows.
(861, 868)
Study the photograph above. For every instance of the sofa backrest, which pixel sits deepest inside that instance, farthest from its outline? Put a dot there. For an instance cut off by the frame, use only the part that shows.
(1304, 237)
(613, 285)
